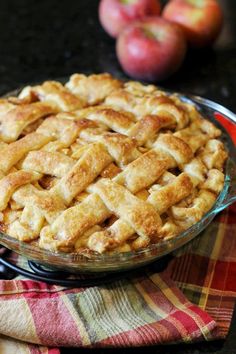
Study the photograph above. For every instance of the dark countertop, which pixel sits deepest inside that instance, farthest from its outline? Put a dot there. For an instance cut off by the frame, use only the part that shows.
(50, 39)
(56, 38)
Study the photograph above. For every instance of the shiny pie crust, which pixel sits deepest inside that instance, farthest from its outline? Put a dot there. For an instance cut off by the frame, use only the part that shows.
(99, 165)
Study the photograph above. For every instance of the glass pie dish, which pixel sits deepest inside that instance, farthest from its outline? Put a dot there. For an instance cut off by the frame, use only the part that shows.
(93, 263)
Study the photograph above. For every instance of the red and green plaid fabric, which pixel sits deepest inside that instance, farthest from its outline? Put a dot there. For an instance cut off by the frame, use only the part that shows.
(192, 300)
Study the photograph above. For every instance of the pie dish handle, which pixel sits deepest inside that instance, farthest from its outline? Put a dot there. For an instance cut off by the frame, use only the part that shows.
(228, 195)
(214, 106)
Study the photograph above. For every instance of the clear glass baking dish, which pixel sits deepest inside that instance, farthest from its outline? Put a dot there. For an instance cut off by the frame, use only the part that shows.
(94, 263)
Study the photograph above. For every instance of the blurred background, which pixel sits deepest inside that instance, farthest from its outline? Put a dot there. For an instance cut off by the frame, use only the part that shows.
(51, 39)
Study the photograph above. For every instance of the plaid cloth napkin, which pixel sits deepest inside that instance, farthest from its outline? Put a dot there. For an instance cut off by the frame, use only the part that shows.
(192, 300)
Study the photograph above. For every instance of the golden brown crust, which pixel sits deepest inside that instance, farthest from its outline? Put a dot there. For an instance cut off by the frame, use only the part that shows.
(138, 214)
(54, 164)
(81, 174)
(143, 172)
(120, 122)
(14, 121)
(105, 166)
(55, 94)
(93, 89)
(147, 128)
(175, 147)
(11, 182)
(172, 193)
(13, 152)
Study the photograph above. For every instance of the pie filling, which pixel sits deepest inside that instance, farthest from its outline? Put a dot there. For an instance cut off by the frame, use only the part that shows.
(99, 165)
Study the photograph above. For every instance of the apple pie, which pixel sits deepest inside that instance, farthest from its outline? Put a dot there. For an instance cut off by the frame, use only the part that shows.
(101, 165)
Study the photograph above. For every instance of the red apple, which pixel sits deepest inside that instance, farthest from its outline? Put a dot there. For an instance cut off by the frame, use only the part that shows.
(201, 20)
(151, 49)
(115, 15)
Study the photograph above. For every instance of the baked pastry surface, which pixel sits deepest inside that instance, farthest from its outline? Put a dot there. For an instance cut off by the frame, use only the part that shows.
(99, 165)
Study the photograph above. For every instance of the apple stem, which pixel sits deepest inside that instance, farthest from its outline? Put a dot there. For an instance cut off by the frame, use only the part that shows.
(127, 2)
(148, 33)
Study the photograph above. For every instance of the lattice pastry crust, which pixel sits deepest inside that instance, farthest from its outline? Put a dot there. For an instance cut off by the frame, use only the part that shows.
(105, 166)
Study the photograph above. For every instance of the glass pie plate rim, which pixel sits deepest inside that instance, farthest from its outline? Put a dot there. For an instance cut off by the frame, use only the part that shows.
(94, 263)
